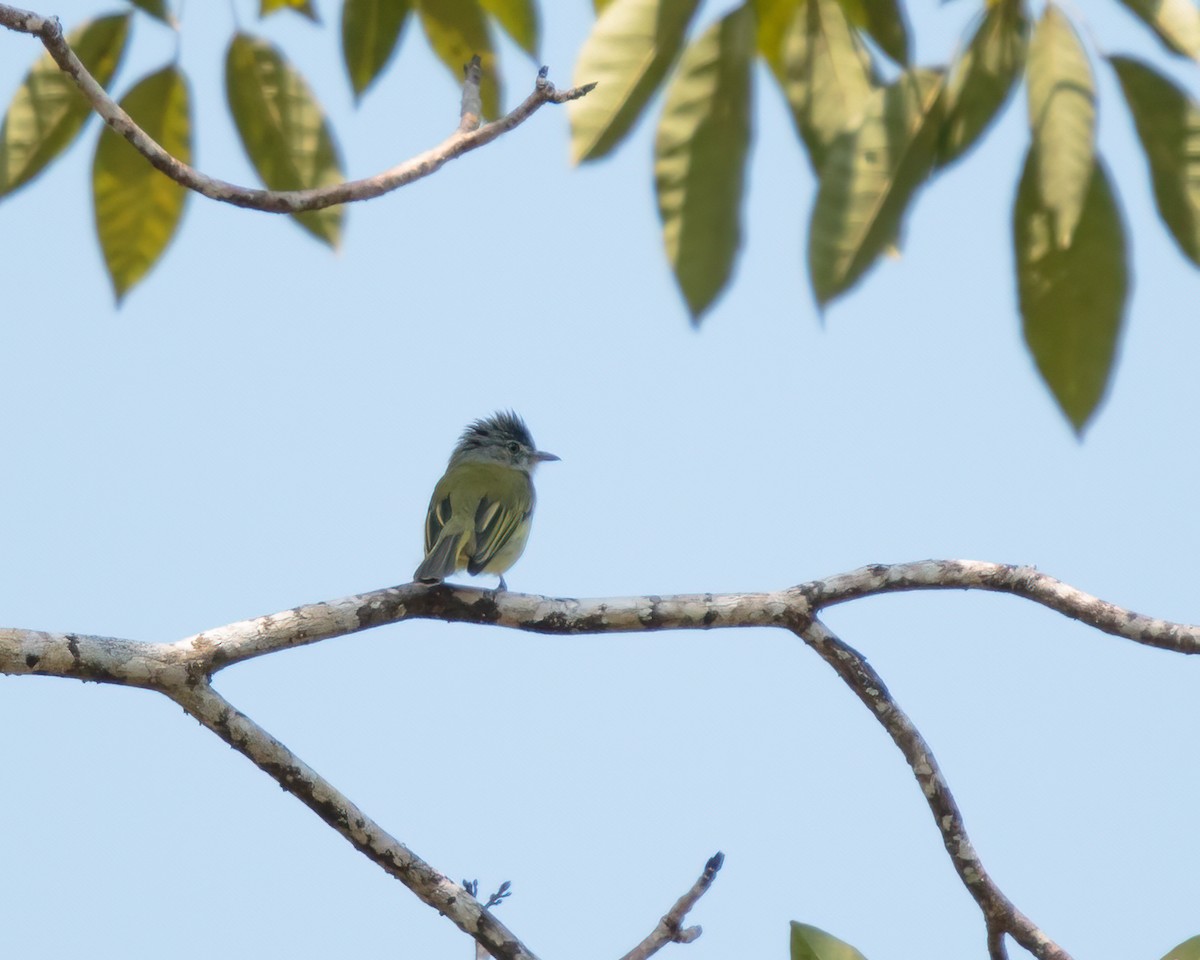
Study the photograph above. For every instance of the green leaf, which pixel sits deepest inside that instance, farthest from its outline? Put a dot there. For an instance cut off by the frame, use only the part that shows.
(457, 30)
(883, 20)
(48, 111)
(1188, 950)
(700, 155)
(137, 207)
(519, 18)
(1176, 22)
(282, 128)
(628, 52)
(1168, 125)
(370, 34)
(983, 78)
(268, 7)
(810, 943)
(869, 178)
(1072, 299)
(822, 67)
(1062, 114)
(156, 9)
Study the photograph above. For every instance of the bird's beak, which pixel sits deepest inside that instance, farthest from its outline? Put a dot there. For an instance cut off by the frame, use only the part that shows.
(541, 456)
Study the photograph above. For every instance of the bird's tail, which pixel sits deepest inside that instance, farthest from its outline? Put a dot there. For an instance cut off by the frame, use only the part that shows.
(441, 561)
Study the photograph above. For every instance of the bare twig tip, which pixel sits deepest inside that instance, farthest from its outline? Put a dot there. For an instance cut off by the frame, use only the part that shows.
(715, 862)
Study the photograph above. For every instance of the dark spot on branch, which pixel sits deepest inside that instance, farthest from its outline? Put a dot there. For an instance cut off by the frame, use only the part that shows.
(653, 619)
(32, 660)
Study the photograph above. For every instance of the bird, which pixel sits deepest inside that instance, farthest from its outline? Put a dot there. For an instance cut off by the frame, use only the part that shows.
(481, 510)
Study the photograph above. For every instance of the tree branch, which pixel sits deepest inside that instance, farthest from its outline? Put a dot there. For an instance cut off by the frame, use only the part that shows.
(1025, 582)
(1000, 914)
(466, 138)
(315, 792)
(670, 928)
(182, 670)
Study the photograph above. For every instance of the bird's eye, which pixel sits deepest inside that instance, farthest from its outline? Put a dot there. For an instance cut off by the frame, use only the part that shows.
(513, 446)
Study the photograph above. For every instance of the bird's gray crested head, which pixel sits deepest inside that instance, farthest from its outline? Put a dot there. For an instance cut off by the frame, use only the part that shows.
(502, 437)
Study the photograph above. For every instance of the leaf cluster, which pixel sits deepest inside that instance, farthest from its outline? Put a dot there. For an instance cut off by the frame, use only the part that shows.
(285, 132)
(877, 128)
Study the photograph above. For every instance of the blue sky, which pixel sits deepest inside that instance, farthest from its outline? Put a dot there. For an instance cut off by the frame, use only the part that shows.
(260, 426)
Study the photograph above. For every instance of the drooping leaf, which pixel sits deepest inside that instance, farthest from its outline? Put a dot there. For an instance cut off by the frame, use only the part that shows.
(628, 52)
(869, 178)
(1062, 114)
(305, 7)
(811, 943)
(1072, 299)
(138, 208)
(157, 9)
(519, 19)
(983, 77)
(457, 30)
(884, 21)
(1176, 22)
(1168, 126)
(370, 34)
(282, 128)
(822, 67)
(700, 154)
(1188, 950)
(48, 111)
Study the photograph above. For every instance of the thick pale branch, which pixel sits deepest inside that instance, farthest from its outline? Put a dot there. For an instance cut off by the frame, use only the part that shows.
(1027, 582)
(670, 928)
(463, 140)
(181, 671)
(999, 912)
(316, 793)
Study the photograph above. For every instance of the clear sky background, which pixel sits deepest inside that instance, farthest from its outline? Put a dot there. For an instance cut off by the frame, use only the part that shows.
(260, 426)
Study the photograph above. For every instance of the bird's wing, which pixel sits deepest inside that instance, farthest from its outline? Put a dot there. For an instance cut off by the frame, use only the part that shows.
(437, 517)
(498, 517)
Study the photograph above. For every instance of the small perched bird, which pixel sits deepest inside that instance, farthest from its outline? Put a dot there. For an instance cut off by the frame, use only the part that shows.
(482, 508)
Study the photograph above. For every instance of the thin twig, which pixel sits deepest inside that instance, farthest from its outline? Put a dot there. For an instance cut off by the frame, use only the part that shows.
(999, 912)
(319, 795)
(997, 949)
(49, 31)
(670, 928)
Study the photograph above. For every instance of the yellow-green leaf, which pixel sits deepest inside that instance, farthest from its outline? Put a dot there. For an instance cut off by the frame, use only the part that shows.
(884, 21)
(156, 9)
(984, 76)
(1062, 114)
(138, 208)
(1072, 299)
(370, 34)
(48, 111)
(822, 67)
(282, 128)
(1188, 950)
(457, 30)
(628, 52)
(1176, 22)
(519, 19)
(267, 7)
(869, 178)
(700, 154)
(811, 943)
(1168, 125)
